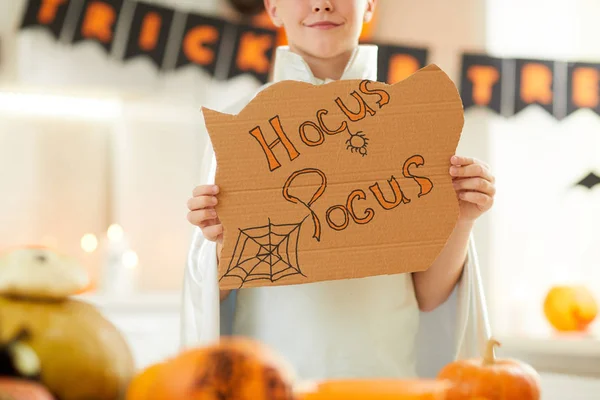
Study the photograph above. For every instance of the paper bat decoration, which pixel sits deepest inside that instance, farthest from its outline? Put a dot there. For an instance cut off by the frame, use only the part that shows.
(589, 181)
(344, 180)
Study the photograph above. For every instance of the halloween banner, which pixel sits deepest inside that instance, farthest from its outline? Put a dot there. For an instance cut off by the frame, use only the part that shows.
(224, 50)
(49, 15)
(509, 86)
(219, 48)
(583, 87)
(97, 22)
(148, 33)
(253, 52)
(481, 81)
(201, 42)
(534, 84)
(396, 63)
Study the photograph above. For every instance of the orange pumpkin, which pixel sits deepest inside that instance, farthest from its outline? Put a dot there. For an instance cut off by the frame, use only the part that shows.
(570, 308)
(233, 368)
(491, 379)
(140, 386)
(21, 389)
(376, 389)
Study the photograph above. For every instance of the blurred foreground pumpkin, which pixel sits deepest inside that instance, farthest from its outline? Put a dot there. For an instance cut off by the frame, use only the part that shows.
(81, 354)
(234, 368)
(140, 387)
(20, 389)
(570, 308)
(491, 379)
(377, 389)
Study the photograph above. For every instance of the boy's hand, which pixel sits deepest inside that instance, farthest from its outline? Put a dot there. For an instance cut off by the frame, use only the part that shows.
(202, 212)
(474, 186)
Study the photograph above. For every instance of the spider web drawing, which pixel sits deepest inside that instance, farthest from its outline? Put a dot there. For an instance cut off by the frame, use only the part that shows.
(268, 252)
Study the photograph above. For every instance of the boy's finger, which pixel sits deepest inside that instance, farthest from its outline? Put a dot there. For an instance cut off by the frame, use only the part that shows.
(200, 202)
(205, 190)
(209, 222)
(473, 170)
(212, 232)
(199, 216)
(483, 201)
(459, 160)
(475, 184)
(463, 161)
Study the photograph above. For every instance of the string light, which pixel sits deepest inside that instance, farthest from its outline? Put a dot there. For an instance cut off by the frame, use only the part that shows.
(89, 242)
(115, 232)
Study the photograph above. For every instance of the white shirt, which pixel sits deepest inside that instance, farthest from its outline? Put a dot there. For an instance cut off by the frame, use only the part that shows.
(364, 327)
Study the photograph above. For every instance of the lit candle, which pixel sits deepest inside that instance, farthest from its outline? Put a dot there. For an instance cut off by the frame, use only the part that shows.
(89, 244)
(120, 272)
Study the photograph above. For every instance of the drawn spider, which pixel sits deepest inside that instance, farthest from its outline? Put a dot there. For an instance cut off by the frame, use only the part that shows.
(358, 143)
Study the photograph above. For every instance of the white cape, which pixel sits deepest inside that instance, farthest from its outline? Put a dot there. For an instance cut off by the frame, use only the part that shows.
(458, 329)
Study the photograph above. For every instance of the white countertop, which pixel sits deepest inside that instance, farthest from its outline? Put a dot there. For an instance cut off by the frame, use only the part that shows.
(143, 301)
(571, 354)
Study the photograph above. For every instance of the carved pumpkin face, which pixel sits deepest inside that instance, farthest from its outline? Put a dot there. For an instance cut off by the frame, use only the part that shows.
(235, 368)
(570, 308)
(491, 379)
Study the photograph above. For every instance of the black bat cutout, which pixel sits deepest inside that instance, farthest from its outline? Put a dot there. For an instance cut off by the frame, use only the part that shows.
(589, 181)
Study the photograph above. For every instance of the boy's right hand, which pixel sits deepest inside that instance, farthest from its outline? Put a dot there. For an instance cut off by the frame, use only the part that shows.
(202, 212)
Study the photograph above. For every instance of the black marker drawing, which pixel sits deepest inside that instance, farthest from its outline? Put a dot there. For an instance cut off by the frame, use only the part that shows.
(357, 143)
(589, 181)
(268, 252)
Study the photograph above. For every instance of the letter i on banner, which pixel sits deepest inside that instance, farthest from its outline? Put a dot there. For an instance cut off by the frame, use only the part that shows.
(253, 52)
(149, 33)
(49, 14)
(583, 87)
(98, 21)
(397, 63)
(534, 84)
(481, 82)
(201, 41)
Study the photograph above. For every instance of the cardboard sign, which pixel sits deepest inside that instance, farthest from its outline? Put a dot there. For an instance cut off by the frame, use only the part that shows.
(344, 180)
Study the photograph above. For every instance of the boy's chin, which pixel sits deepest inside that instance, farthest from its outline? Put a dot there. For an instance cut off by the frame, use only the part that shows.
(327, 50)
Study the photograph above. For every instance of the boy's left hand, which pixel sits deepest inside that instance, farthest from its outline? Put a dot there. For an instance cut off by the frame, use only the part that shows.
(474, 185)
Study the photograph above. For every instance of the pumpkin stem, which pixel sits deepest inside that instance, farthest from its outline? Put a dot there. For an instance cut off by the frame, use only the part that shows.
(488, 357)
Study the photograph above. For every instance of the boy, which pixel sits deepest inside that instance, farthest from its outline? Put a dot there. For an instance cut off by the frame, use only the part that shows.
(352, 328)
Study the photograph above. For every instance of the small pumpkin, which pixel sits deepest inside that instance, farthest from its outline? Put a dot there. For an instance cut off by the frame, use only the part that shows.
(376, 389)
(21, 389)
(570, 308)
(490, 378)
(233, 368)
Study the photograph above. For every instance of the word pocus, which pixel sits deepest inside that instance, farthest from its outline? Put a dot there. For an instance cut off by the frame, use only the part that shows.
(348, 210)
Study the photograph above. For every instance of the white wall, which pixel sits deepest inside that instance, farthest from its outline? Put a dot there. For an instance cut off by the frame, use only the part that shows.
(544, 231)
